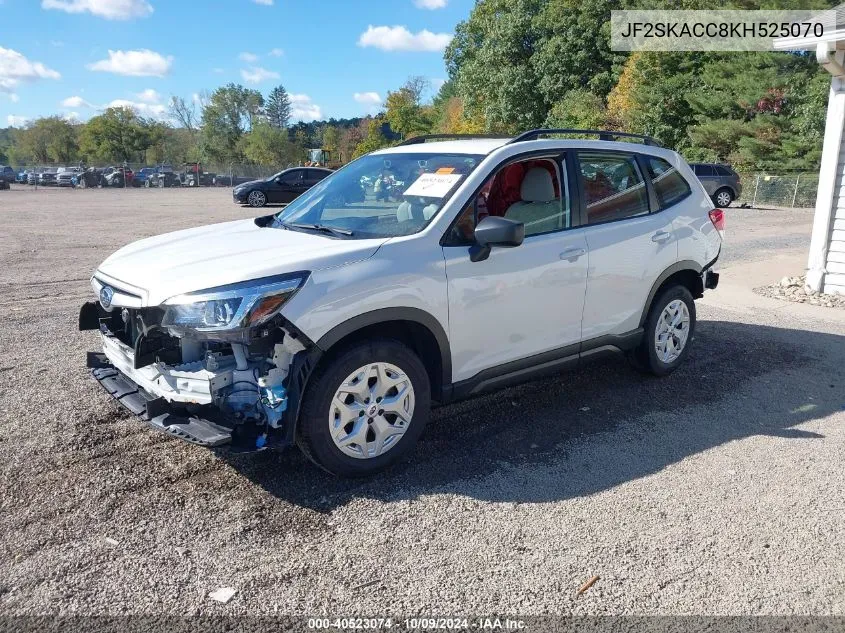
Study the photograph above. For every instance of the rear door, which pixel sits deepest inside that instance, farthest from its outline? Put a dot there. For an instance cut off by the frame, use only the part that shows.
(630, 241)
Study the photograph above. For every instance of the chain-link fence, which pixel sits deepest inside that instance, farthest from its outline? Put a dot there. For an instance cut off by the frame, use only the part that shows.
(784, 189)
(795, 189)
(223, 175)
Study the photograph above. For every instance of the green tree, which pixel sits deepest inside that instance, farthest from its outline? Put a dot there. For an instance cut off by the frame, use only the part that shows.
(266, 144)
(490, 59)
(404, 109)
(278, 107)
(374, 140)
(117, 135)
(579, 109)
(48, 140)
(231, 111)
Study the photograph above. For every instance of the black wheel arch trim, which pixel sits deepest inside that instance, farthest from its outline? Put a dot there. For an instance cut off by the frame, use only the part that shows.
(677, 267)
(386, 315)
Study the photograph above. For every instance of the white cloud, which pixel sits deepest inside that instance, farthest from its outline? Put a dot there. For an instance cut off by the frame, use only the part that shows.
(14, 98)
(430, 4)
(256, 74)
(75, 102)
(138, 63)
(16, 121)
(368, 98)
(266, 3)
(303, 109)
(148, 96)
(249, 58)
(398, 38)
(155, 110)
(15, 68)
(108, 9)
(276, 52)
(73, 117)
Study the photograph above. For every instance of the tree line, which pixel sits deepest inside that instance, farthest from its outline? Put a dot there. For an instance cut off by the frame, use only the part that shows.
(513, 65)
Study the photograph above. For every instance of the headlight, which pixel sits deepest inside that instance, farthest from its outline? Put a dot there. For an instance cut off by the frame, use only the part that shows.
(232, 307)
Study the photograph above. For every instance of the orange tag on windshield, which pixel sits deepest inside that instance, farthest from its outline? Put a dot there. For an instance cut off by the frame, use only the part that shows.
(445, 170)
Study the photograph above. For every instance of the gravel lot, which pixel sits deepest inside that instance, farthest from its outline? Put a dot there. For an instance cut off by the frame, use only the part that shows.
(718, 490)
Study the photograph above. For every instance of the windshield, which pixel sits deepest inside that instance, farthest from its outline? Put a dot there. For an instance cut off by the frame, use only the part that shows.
(380, 195)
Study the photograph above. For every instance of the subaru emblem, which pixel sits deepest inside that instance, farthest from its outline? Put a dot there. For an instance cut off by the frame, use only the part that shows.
(106, 294)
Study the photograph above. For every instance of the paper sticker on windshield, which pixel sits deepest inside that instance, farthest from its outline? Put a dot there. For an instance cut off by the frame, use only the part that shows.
(433, 185)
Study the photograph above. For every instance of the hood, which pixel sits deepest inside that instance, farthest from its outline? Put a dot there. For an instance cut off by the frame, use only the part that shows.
(250, 183)
(195, 259)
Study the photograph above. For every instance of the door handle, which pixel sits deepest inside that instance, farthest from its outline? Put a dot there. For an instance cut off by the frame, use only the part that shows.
(661, 236)
(572, 254)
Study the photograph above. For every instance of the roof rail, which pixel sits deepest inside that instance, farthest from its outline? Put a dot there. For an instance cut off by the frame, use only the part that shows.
(604, 135)
(416, 140)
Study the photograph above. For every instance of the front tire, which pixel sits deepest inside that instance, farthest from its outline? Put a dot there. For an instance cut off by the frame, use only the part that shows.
(365, 408)
(669, 331)
(256, 199)
(723, 198)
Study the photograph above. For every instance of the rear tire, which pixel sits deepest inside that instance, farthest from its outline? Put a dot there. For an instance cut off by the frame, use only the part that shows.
(365, 408)
(668, 333)
(723, 197)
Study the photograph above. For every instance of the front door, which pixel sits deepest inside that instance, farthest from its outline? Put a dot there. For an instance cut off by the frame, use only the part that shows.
(521, 301)
(286, 187)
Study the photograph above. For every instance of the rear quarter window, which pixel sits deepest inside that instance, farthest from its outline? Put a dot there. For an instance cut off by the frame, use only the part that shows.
(668, 184)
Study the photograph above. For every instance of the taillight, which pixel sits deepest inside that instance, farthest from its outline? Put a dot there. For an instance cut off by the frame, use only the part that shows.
(717, 217)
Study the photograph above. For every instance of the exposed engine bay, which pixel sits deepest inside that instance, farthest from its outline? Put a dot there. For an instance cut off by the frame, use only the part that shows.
(237, 382)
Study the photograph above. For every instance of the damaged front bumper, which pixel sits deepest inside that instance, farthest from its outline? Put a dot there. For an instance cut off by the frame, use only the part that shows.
(158, 412)
(195, 390)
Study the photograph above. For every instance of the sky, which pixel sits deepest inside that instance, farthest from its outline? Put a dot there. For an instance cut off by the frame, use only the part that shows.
(336, 58)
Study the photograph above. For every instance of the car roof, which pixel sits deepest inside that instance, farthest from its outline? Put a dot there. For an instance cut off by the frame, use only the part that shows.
(486, 146)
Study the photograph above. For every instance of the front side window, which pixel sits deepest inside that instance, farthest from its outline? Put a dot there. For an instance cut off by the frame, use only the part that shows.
(669, 186)
(528, 191)
(380, 195)
(613, 186)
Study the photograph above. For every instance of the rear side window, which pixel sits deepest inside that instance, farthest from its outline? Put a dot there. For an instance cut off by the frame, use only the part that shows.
(669, 186)
(724, 171)
(613, 186)
(313, 176)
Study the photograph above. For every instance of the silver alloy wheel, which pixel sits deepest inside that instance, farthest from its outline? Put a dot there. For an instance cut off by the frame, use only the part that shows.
(371, 410)
(723, 199)
(256, 199)
(672, 331)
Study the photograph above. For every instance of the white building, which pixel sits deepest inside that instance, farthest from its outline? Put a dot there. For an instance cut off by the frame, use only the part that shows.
(826, 262)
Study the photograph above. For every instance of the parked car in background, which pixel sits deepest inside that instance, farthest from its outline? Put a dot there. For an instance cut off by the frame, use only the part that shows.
(32, 176)
(141, 176)
(164, 176)
(91, 177)
(283, 187)
(21, 176)
(194, 176)
(7, 176)
(334, 325)
(65, 176)
(47, 177)
(117, 177)
(722, 183)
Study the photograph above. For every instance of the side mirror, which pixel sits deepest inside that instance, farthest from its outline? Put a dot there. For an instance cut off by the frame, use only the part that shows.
(495, 231)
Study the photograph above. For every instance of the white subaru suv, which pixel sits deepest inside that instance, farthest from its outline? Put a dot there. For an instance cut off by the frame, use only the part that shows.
(418, 274)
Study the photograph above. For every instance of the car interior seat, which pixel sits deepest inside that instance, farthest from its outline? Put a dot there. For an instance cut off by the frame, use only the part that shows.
(539, 208)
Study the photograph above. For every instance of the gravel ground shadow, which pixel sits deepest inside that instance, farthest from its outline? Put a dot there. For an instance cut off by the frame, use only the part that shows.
(740, 380)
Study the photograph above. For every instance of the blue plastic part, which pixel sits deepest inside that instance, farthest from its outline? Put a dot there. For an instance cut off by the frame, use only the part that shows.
(275, 401)
(261, 440)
